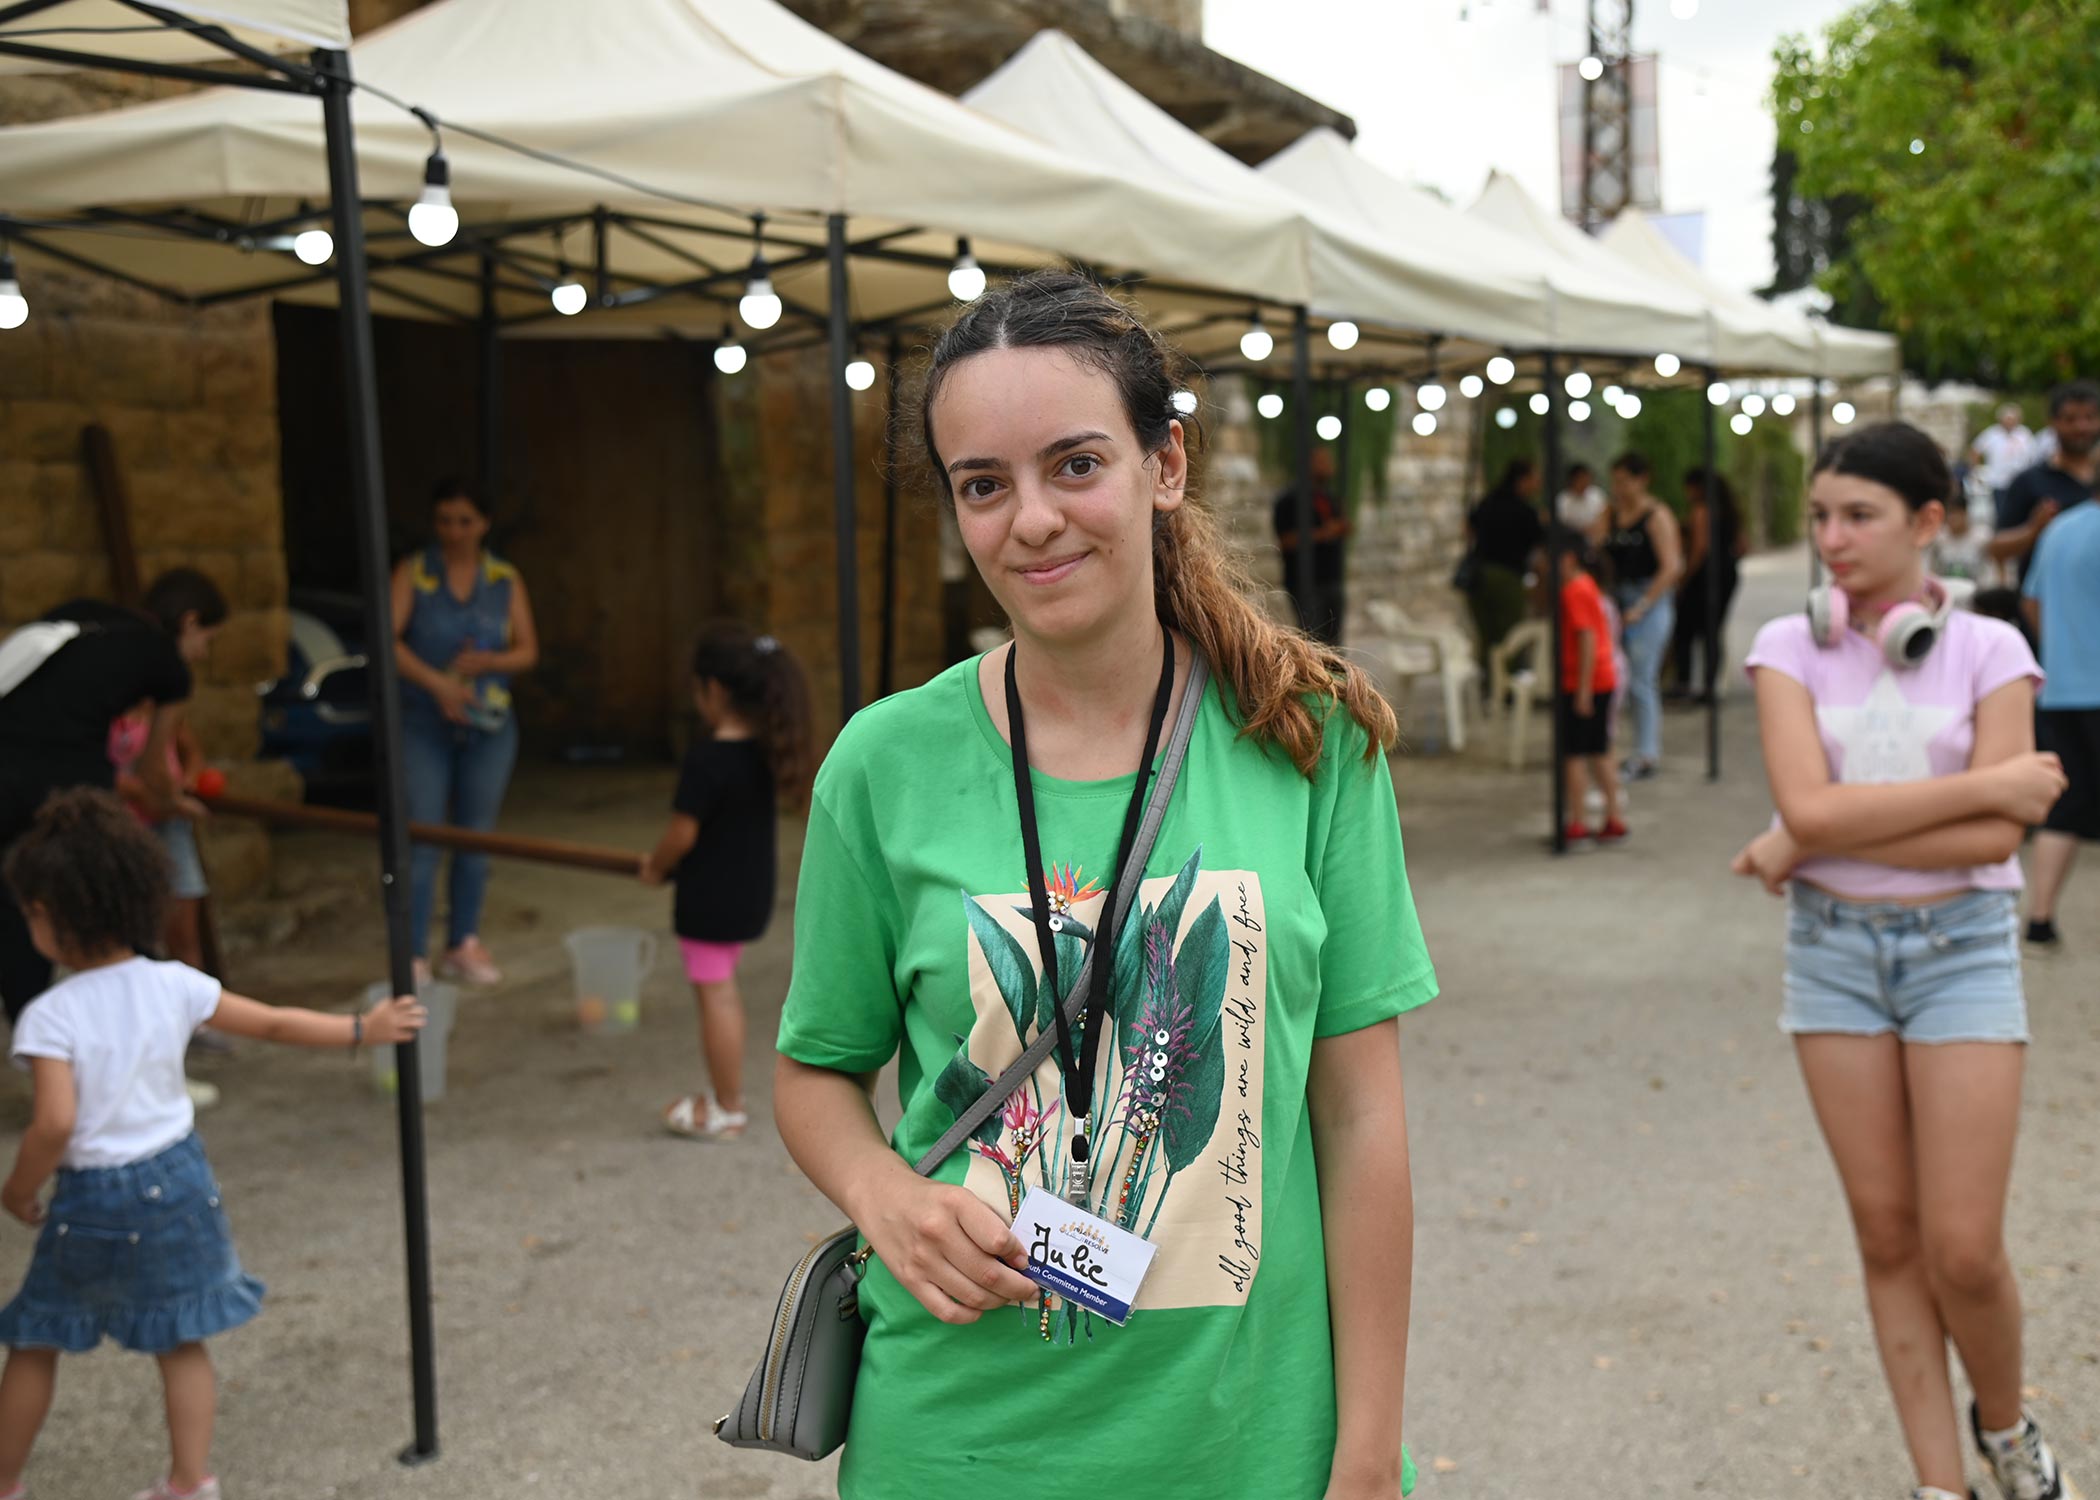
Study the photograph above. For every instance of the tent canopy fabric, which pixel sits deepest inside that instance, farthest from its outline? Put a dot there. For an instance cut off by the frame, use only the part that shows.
(693, 113)
(1593, 309)
(1056, 91)
(110, 29)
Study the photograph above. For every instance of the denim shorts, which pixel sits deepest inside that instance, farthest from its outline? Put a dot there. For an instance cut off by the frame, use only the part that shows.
(178, 838)
(140, 1254)
(1949, 972)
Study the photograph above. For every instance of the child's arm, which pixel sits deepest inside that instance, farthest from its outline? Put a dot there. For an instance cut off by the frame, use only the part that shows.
(1586, 668)
(392, 1020)
(44, 1142)
(189, 752)
(675, 845)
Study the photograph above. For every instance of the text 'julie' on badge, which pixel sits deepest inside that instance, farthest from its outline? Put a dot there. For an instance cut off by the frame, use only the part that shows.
(1084, 1259)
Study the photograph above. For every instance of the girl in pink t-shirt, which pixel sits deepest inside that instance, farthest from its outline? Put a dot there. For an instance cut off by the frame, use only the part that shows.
(1904, 769)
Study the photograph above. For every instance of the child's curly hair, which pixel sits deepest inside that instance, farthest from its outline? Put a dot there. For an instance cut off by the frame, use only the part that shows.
(98, 872)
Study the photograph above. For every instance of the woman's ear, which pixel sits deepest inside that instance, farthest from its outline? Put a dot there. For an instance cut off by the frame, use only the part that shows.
(1170, 470)
(1927, 522)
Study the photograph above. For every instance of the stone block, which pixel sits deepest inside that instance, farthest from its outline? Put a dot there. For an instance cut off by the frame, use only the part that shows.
(209, 508)
(33, 582)
(41, 431)
(226, 718)
(237, 371)
(72, 515)
(264, 583)
(21, 507)
(139, 364)
(25, 361)
(249, 648)
(139, 435)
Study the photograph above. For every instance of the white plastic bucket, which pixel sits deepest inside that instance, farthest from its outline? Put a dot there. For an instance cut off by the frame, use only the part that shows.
(442, 1001)
(610, 964)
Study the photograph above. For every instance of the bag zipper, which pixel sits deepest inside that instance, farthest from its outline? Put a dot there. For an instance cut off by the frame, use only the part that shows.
(769, 1391)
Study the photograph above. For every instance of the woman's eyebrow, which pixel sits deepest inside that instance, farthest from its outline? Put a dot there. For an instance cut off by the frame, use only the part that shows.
(1062, 445)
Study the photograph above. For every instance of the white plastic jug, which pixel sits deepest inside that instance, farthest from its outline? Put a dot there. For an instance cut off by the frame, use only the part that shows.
(610, 964)
(442, 1001)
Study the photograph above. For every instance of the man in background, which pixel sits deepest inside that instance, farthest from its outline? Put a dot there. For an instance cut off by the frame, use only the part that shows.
(2063, 609)
(1321, 615)
(2066, 479)
(2003, 451)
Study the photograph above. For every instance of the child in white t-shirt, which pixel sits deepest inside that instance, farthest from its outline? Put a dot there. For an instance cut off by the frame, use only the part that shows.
(134, 1243)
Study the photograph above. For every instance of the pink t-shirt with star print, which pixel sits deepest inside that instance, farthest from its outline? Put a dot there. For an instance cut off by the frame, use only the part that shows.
(1882, 725)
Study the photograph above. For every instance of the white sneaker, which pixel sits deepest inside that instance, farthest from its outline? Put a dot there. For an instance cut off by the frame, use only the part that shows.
(209, 1490)
(2022, 1463)
(471, 962)
(697, 1117)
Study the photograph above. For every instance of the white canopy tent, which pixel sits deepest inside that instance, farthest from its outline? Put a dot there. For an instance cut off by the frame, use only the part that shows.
(1591, 308)
(1056, 91)
(89, 33)
(1839, 353)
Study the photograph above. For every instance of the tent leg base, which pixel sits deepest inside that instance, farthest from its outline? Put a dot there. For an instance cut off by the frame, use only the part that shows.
(413, 1457)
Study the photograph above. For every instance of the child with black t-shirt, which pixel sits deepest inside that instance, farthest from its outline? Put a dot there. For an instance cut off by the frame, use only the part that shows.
(753, 758)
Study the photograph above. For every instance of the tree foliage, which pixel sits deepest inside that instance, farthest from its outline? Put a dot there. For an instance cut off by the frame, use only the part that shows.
(1940, 162)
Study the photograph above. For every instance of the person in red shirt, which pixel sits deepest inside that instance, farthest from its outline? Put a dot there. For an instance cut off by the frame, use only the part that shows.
(1588, 676)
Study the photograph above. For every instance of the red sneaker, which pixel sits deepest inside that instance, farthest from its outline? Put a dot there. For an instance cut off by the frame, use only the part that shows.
(1578, 832)
(1613, 832)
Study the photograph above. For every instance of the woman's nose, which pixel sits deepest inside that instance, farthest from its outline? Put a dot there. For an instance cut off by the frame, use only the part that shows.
(1037, 516)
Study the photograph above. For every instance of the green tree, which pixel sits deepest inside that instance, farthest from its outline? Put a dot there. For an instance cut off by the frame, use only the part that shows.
(1953, 148)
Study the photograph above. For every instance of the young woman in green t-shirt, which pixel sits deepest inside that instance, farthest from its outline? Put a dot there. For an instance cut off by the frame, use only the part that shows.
(1245, 1103)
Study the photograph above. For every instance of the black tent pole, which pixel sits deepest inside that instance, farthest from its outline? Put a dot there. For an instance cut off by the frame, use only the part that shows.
(1714, 654)
(489, 395)
(361, 397)
(1302, 445)
(1547, 492)
(1815, 456)
(885, 668)
(842, 498)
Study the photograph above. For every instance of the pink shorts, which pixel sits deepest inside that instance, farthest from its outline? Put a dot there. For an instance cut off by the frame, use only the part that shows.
(710, 963)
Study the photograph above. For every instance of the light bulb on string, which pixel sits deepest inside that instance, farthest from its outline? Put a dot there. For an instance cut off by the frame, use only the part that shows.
(1541, 403)
(1917, 148)
(966, 278)
(431, 218)
(1184, 402)
(1667, 365)
(1501, 369)
(313, 246)
(1629, 407)
(1613, 394)
(1424, 424)
(1506, 417)
(759, 307)
(1378, 398)
(1718, 393)
(1471, 386)
(1578, 411)
(1270, 405)
(1255, 343)
(1843, 413)
(1740, 424)
(859, 375)
(730, 356)
(1343, 334)
(14, 307)
(1782, 405)
(1431, 396)
(1684, 10)
(1591, 68)
(1578, 384)
(1328, 427)
(1753, 405)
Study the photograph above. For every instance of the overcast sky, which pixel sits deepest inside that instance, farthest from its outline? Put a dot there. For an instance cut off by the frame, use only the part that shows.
(1440, 100)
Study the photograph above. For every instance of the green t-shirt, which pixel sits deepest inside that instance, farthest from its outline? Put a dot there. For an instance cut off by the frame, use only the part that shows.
(1275, 910)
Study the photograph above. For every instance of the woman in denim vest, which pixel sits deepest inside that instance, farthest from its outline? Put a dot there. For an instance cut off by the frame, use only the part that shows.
(462, 629)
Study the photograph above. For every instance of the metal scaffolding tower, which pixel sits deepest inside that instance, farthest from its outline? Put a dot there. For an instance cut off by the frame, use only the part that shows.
(1607, 116)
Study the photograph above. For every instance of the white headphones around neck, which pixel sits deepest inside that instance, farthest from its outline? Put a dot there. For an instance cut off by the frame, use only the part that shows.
(1906, 634)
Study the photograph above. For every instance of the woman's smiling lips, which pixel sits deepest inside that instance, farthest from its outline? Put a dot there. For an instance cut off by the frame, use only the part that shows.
(1051, 572)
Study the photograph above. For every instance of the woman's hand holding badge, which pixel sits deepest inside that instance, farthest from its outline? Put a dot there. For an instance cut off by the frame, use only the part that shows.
(948, 1248)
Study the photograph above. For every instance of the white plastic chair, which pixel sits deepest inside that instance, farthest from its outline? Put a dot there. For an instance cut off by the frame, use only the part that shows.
(1413, 650)
(1520, 686)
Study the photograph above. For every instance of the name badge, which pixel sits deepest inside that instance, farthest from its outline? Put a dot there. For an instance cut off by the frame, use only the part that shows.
(1083, 1259)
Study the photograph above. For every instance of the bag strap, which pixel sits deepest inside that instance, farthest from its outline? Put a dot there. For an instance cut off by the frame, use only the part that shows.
(1023, 1067)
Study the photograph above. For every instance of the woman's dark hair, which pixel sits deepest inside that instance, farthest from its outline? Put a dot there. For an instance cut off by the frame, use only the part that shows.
(1576, 468)
(1695, 479)
(1634, 462)
(1201, 588)
(454, 487)
(1514, 473)
(185, 591)
(97, 871)
(766, 685)
(1893, 454)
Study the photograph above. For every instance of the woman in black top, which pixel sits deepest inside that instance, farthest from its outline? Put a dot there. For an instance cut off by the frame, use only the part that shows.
(1691, 598)
(1502, 532)
(1646, 560)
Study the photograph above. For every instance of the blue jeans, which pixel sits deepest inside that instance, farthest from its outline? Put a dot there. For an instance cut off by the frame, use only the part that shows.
(1647, 639)
(455, 775)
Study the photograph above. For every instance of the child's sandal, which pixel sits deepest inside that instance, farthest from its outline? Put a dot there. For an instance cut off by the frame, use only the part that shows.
(698, 1118)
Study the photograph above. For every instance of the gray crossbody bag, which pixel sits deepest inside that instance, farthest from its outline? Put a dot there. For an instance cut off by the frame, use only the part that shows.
(802, 1391)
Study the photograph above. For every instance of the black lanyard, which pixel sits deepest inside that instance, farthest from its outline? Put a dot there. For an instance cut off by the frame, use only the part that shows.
(1079, 1070)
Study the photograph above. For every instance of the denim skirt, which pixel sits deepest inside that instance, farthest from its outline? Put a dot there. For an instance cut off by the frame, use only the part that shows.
(140, 1254)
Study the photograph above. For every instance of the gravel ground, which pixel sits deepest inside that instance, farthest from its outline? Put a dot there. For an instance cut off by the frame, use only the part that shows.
(1634, 1275)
